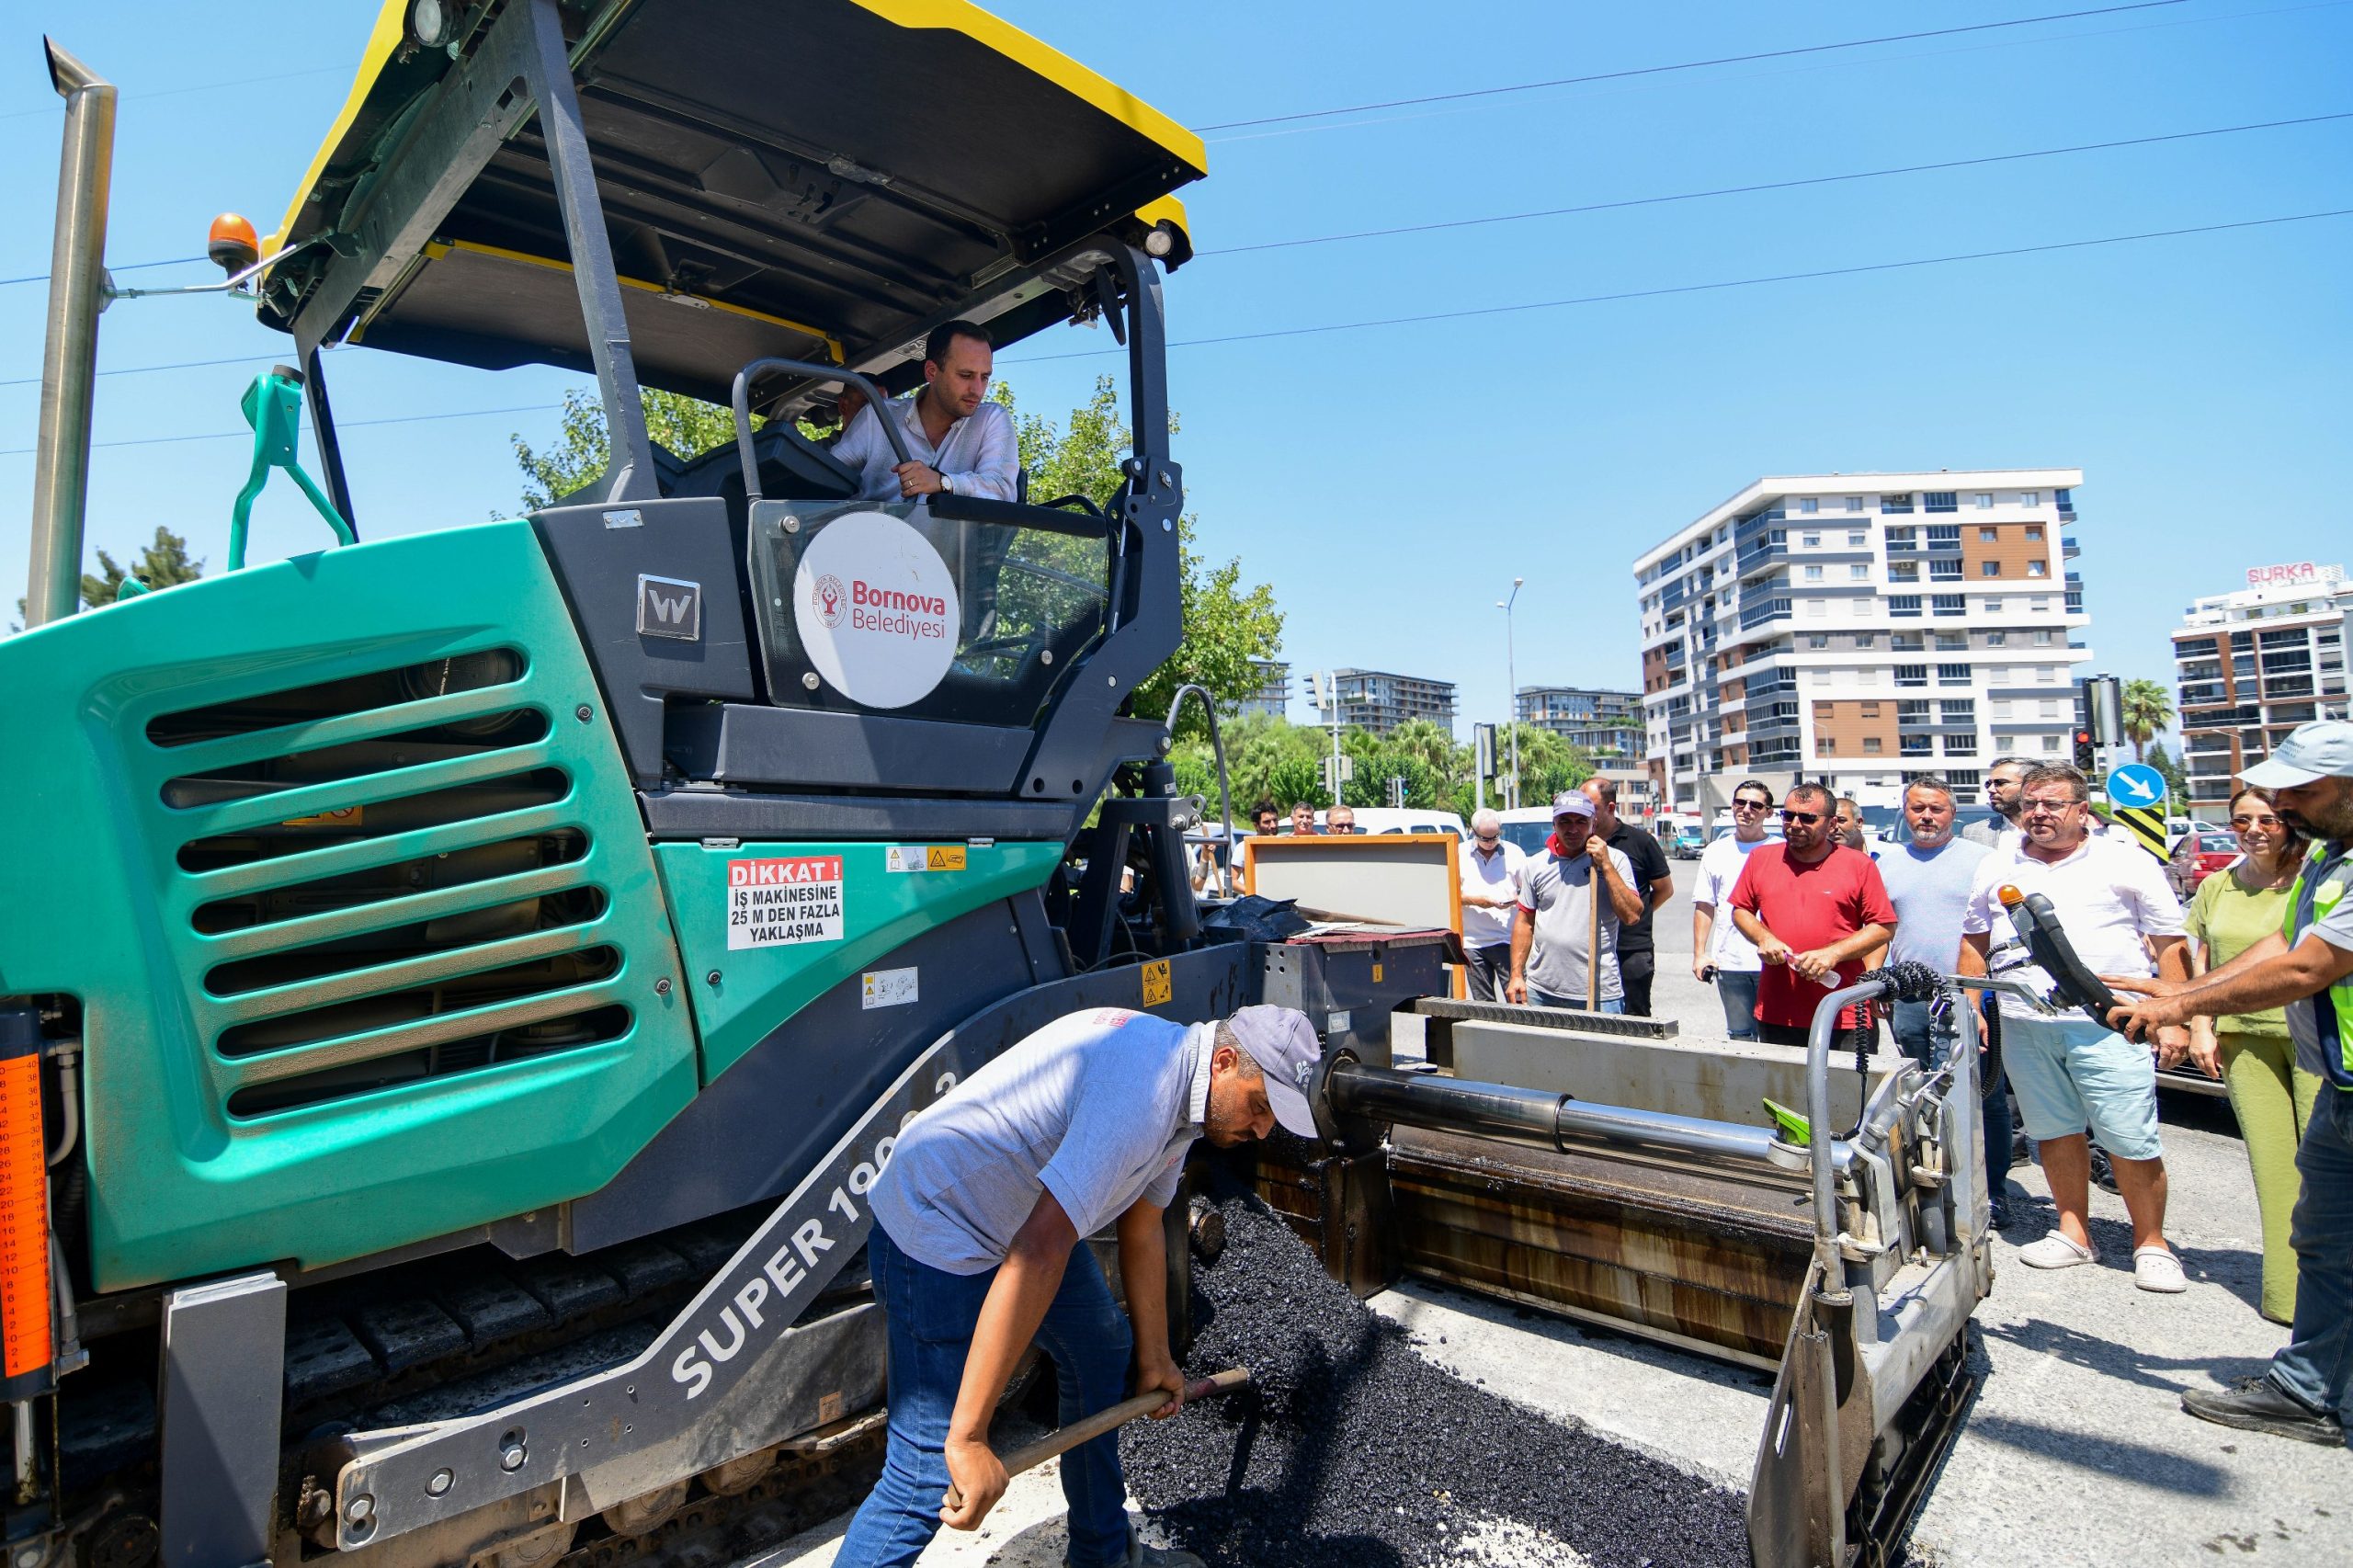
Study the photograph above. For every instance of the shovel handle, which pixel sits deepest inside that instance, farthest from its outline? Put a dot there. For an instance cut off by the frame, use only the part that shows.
(1063, 1439)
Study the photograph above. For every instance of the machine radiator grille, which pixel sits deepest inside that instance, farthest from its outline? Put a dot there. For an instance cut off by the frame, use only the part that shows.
(387, 881)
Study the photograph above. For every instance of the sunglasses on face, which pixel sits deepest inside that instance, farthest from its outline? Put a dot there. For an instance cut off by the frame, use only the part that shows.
(2243, 824)
(1752, 805)
(1805, 817)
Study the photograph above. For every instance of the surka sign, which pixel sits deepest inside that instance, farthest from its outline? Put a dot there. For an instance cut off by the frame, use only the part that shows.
(2293, 574)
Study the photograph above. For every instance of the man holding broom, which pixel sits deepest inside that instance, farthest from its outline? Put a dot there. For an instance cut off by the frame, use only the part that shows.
(1565, 945)
(977, 1251)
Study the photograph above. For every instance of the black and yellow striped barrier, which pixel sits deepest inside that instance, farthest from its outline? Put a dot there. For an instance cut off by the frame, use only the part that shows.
(2144, 825)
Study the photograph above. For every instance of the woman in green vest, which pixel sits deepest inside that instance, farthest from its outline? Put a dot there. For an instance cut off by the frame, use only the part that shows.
(2271, 1091)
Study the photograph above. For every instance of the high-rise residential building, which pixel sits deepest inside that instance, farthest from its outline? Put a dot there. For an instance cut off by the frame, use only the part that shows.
(2252, 664)
(1273, 697)
(1867, 628)
(1380, 700)
(1605, 724)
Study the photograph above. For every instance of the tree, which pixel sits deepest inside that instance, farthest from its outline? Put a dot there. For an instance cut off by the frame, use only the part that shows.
(2148, 707)
(688, 426)
(2177, 781)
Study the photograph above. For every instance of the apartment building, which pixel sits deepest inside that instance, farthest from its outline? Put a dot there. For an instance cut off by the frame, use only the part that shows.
(1865, 628)
(1380, 700)
(1272, 698)
(1604, 724)
(2285, 632)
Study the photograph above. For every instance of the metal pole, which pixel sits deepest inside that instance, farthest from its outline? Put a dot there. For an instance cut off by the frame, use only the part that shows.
(78, 292)
(1332, 690)
(1511, 699)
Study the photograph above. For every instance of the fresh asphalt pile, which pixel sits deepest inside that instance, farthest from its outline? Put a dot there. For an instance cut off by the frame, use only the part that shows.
(1356, 1452)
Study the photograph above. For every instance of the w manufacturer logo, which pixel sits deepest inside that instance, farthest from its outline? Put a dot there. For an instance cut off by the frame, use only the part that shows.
(668, 607)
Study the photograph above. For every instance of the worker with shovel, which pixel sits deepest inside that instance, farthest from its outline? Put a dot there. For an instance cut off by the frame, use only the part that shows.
(976, 1252)
(1573, 899)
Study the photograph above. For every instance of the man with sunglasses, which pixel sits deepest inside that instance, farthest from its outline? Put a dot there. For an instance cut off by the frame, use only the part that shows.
(1491, 867)
(1719, 952)
(2005, 782)
(2068, 1071)
(1816, 909)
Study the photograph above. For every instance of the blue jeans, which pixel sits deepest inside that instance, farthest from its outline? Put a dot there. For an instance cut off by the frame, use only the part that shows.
(1737, 989)
(1993, 1108)
(1546, 999)
(2316, 1365)
(931, 1315)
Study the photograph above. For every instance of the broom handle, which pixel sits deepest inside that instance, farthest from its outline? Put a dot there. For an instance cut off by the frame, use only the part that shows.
(1063, 1440)
(1593, 943)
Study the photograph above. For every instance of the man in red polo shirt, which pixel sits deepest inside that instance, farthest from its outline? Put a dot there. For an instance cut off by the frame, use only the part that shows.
(1814, 908)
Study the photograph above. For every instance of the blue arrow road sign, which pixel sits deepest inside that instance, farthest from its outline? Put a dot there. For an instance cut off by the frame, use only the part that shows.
(2136, 784)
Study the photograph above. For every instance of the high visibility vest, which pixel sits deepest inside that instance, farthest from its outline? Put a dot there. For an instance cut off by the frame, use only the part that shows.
(2320, 888)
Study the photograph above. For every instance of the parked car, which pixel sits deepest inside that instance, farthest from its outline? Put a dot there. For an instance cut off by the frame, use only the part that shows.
(2198, 856)
(1689, 840)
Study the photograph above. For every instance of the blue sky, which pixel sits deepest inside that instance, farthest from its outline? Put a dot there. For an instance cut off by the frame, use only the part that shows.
(1389, 482)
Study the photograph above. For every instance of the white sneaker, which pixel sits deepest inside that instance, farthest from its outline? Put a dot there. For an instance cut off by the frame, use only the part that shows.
(2054, 1251)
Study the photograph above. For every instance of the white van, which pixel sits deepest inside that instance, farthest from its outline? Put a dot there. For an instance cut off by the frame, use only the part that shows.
(1528, 827)
(1392, 819)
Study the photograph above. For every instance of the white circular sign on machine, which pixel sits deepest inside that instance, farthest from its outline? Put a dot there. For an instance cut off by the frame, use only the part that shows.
(876, 609)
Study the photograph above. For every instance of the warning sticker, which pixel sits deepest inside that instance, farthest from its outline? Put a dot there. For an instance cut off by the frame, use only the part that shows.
(886, 988)
(773, 901)
(1155, 983)
(338, 816)
(924, 857)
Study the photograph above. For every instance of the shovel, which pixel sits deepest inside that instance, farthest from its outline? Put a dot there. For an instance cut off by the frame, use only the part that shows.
(1063, 1440)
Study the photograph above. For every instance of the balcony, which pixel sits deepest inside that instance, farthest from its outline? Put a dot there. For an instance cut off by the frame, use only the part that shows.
(2068, 548)
(1759, 612)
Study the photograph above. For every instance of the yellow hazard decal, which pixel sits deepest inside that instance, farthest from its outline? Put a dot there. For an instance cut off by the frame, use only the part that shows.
(342, 816)
(924, 857)
(1157, 988)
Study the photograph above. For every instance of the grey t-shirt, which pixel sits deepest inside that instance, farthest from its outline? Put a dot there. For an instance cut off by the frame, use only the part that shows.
(1560, 894)
(1097, 1108)
(1930, 892)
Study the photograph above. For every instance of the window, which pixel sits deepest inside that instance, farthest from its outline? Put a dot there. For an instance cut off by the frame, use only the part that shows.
(2038, 569)
(1952, 641)
(2049, 742)
(2046, 675)
(1989, 536)
(1944, 536)
(1858, 570)
(2034, 532)
(2039, 604)
(2047, 707)
(1866, 639)
(1827, 746)
(1996, 638)
(1871, 743)
(1998, 709)
(1888, 504)
(1870, 710)
(1993, 607)
(1941, 500)
(1952, 674)
(1809, 540)
(1915, 745)
(1903, 536)
(2029, 498)
(1817, 640)
(1813, 573)
(1900, 605)
(1947, 571)
(1911, 674)
(1989, 569)
(1985, 499)
(1858, 538)
(1903, 571)
(1906, 641)
(1949, 604)
(1957, 709)
(1810, 505)
(1818, 608)
(1854, 503)
(1961, 745)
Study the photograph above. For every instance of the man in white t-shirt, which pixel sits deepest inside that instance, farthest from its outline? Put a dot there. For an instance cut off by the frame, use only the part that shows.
(1490, 866)
(1719, 952)
(980, 1217)
(2068, 1071)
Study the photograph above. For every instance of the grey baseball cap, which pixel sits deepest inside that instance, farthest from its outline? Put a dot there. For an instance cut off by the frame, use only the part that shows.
(1572, 803)
(2313, 750)
(1283, 1043)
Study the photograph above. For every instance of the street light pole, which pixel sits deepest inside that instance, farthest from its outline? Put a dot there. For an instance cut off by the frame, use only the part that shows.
(1511, 707)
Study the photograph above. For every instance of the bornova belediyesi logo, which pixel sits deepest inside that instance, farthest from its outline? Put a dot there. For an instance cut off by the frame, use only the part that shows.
(827, 598)
(869, 608)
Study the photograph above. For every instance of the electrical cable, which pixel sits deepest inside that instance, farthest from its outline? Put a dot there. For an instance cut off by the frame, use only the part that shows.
(134, 267)
(1706, 288)
(150, 370)
(1774, 185)
(1683, 65)
(340, 424)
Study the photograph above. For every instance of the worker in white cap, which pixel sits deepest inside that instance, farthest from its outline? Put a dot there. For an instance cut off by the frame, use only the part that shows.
(2307, 966)
(1563, 946)
(977, 1251)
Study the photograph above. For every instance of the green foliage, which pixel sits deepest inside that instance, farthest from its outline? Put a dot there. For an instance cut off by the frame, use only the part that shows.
(163, 563)
(1268, 758)
(686, 425)
(2148, 707)
(2177, 781)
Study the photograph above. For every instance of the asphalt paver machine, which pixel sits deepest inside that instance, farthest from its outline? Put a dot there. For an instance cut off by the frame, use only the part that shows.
(458, 987)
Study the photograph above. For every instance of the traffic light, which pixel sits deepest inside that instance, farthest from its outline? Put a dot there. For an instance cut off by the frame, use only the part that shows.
(2086, 752)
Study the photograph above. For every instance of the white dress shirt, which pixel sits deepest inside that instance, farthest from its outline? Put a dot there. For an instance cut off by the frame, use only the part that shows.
(1485, 876)
(2109, 895)
(977, 457)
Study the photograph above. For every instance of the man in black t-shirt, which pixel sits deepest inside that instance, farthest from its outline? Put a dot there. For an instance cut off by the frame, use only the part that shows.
(1653, 883)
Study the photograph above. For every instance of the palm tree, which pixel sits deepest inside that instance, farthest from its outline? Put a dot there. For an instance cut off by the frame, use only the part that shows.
(2148, 707)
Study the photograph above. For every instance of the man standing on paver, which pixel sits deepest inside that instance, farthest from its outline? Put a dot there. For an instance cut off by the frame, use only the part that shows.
(1928, 876)
(2308, 966)
(1815, 910)
(1490, 866)
(1719, 952)
(2004, 781)
(1556, 922)
(979, 1248)
(1654, 884)
(2111, 900)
